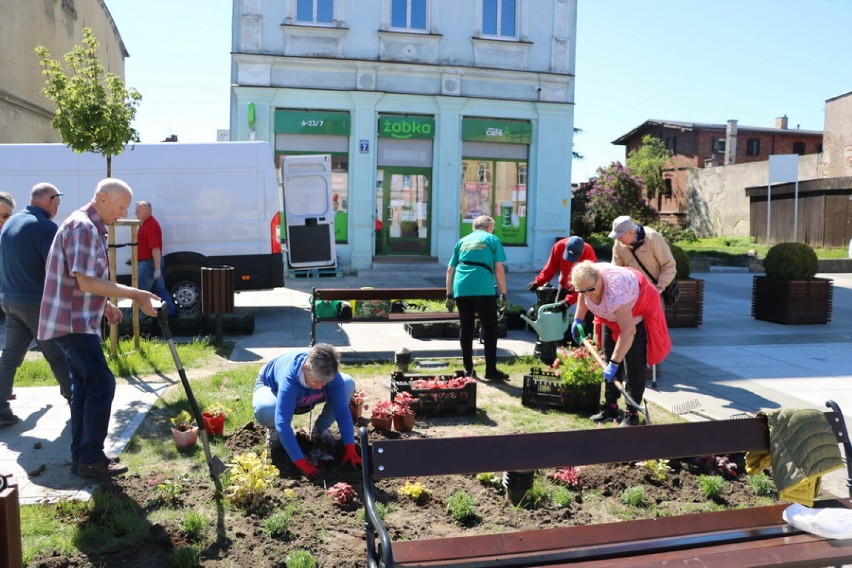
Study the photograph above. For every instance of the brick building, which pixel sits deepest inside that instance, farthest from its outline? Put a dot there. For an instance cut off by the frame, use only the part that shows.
(697, 145)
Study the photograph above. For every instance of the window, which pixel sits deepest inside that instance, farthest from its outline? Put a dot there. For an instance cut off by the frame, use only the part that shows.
(499, 18)
(671, 144)
(799, 148)
(753, 147)
(720, 145)
(315, 11)
(408, 14)
(495, 187)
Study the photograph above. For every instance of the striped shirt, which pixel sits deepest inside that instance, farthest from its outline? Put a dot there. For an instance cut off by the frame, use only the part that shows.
(79, 247)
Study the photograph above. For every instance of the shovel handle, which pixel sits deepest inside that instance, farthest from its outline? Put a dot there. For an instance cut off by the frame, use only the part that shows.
(590, 347)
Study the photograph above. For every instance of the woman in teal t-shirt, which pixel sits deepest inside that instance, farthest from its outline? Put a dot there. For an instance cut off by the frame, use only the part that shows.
(476, 263)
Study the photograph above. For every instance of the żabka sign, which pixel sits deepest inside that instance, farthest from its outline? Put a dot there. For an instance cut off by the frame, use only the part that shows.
(405, 127)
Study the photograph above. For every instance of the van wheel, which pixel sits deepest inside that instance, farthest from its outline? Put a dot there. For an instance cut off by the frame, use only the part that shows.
(186, 291)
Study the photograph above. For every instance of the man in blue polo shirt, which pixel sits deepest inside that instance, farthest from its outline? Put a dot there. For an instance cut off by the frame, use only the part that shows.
(24, 244)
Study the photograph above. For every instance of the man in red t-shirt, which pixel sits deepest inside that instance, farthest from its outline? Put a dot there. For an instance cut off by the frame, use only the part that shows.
(563, 256)
(150, 254)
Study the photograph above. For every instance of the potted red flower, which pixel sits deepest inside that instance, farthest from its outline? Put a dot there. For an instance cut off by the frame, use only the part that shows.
(403, 415)
(356, 404)
(382, 416)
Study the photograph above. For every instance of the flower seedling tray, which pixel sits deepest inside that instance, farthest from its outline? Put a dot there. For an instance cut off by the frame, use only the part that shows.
(435, 402)
(543, 389)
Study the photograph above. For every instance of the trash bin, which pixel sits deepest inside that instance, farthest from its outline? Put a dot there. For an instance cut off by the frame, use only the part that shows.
(10, 523)
(217, 289)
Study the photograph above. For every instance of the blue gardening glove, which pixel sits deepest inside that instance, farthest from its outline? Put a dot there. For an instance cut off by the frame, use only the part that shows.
(451, 304)
(610, 371)
(576, 327)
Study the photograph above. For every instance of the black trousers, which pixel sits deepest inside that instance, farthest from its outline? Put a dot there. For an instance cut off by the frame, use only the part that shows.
(632, 370)
(486, 308)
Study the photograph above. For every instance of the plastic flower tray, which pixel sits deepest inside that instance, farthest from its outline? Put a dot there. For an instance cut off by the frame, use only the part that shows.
(543, 389)
(435, 402)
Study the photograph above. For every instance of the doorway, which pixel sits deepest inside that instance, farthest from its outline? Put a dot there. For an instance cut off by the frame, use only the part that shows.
(402, 211)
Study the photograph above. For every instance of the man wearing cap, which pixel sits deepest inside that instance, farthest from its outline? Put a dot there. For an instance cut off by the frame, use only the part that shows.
(563, 256)
(644, 249)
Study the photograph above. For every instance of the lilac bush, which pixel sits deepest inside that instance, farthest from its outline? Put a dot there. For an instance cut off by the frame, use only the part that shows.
(616, 192)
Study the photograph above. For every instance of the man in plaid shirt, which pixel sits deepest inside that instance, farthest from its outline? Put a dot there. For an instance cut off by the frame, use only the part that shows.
(75, 301)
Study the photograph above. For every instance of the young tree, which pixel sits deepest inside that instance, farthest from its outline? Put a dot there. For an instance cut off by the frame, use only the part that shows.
(647, 162)
(94, 110)
(616, 192)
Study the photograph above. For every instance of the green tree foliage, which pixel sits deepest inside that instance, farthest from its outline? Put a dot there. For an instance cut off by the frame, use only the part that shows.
(647, 162)
(616, 192)
(94, 110)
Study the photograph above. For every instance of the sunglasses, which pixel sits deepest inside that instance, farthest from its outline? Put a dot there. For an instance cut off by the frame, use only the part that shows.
(57, 196)
(589, 289)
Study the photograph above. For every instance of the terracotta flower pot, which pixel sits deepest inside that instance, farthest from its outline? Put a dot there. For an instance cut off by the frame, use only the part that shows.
(403, 423)
(383, 424)
(357, 410)
(215, 425)
(185, 439)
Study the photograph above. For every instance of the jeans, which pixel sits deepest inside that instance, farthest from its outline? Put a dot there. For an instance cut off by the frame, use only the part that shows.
(157, 286)
(264, 401)
(632, 370)
(92, 391)
(486, 308)
(21, 329)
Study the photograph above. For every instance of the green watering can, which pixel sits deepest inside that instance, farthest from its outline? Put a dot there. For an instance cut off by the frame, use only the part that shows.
(550, 325)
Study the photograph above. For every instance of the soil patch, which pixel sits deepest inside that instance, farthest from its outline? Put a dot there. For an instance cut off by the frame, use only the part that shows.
(334, 534)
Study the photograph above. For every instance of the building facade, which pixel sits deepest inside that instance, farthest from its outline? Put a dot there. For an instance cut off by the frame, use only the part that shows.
(696, 145)
(433, 111)
(25, 113)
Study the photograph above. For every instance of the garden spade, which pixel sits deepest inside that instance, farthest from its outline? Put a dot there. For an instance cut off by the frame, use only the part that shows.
(587, 343)
(214, 463)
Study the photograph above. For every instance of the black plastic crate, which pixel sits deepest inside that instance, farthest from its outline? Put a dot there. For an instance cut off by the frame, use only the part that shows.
(543, 389)
(443, 402)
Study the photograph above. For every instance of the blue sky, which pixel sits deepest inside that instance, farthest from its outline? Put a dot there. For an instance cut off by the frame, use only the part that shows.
(748, 60)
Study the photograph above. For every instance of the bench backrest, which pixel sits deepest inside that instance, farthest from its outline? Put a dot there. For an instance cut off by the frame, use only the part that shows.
(519, 452)
(379, 294)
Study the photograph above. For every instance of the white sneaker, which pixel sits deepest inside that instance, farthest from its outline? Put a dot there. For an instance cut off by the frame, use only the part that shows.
(272, 440)
(325, 437)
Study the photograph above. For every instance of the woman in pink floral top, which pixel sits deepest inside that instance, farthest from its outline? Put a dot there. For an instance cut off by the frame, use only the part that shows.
(634, 328)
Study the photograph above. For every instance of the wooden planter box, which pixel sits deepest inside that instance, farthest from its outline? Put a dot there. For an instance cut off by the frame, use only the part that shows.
(792, 301)
(689, 310)
(543, 389)
(435, 402)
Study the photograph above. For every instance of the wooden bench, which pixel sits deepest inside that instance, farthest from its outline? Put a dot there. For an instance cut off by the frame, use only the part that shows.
(743, 537)
(387, 294)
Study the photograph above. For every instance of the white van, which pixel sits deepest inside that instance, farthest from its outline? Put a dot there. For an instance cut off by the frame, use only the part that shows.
(217, 203)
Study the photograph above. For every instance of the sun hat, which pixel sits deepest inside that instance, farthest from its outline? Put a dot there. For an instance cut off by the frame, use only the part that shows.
(621, 225)
(573, 249)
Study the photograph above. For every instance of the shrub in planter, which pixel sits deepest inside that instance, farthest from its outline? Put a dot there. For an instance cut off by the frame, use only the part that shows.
(689, 310)
(684, 266)
(789, 293)
(791, 261)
